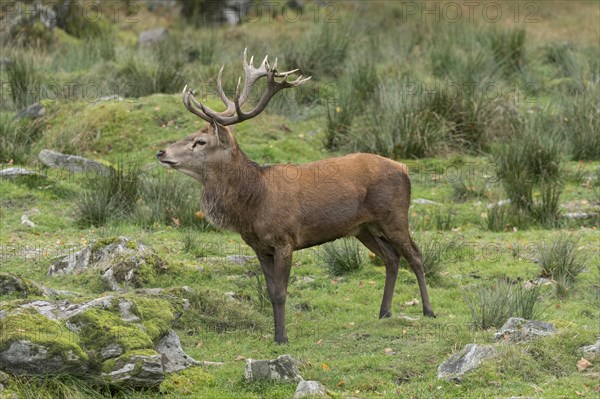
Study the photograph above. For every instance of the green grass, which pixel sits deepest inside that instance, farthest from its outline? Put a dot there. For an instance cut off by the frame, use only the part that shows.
(383, 62)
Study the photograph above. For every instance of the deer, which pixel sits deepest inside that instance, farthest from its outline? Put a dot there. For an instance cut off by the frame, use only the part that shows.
(278, 209)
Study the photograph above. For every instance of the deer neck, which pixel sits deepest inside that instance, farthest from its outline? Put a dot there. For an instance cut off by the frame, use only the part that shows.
(233, 192)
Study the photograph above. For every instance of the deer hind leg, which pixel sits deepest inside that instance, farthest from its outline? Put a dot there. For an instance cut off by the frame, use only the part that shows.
(404, 244)
(382, 248)
(277, 273)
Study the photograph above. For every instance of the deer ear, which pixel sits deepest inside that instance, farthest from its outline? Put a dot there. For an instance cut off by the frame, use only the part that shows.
(223, 133)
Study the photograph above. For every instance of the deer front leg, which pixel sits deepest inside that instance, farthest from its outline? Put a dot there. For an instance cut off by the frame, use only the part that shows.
(277, 273)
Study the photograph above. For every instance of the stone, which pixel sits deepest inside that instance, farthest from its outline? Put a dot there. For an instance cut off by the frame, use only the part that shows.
(110, 351)
(464, 361)
(122, 263)
(499, 203)
(73, 163)
(591, 352)
(10, 173)
(25, 221)
(34, 111)
(173, 357)
(138, 369)
(152, 36)
(283, 368)
(11, 284)
(517, 329)
(311, 389)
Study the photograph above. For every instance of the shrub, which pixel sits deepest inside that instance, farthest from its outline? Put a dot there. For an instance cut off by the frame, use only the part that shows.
(342, 256)
(559, 259)
(492, 304)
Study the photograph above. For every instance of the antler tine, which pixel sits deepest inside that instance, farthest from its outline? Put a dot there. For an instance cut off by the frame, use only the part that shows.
(285, 74)
(185, 98)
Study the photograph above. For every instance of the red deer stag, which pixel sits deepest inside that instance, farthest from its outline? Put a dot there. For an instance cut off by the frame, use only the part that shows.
(281, 208)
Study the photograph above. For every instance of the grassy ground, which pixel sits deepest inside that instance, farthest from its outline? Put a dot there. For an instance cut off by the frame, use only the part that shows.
(332, 321)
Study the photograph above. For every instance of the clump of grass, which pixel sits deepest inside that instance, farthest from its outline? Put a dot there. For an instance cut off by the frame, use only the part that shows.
(433, 249)
(109, 195)
(342, 256)
(155, 69)
(16, 138)
(569, 71)
(189, 240)
(395, 126)
(321, 52)
(465, 188)
(505, 218)
(530, 162)
(22, 78)
(581, 124)
(508, 48)
(560, 261)
(492, 304)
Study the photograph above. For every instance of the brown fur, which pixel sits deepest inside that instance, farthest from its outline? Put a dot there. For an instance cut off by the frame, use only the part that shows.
(281, 208)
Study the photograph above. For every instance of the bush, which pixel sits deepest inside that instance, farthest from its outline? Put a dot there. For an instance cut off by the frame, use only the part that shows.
(342, 256)
(559, 259)
(492, 304)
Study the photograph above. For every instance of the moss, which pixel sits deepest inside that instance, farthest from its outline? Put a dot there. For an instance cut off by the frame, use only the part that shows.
(29, 325)
(100, 328)
(23, 287)
(103, 242)
(132, 244)
(186, 382)
(156, 315)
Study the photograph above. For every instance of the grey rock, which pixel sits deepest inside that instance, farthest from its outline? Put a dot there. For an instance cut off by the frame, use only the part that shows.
(72, 163)
(25, 221)
(10, 173)
(137, 371)
(499, 203)
(10, 284)
(126, 313)
(173, 357)
(152, 36)
(34, 111)
(23, 357)
(119, 260)
(578, 215)
(310, 388)
(464, 361)
(591, 352)
(517, 329)
(112, 350)
(283, 368)
(307, 280)
(239, 259)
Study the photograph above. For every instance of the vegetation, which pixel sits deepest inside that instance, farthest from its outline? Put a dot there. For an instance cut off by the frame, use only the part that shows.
(497, 123)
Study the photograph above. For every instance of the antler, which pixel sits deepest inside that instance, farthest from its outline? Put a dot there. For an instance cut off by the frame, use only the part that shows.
(234, 114)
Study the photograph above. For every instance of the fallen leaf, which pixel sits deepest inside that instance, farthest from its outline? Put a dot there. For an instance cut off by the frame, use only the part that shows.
(579, 393)
(583, 364)
(388, 351)
(334, 282)
(325, 367)
(414, 302)
(176, 221)
(319, 342)
(199, 215)
(361, 285)
(371, 282)
(239, 358)
(341, 383)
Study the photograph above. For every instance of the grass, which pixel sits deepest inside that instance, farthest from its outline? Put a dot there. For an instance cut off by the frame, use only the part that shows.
(400, 78)
(560, 260)
(343, 257)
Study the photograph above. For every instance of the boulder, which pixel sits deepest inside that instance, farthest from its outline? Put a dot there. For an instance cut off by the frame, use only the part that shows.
(73, 163)
(130, 336)
(283, 368)
(591, 352)
(121, 262)
(517, 329)
(136, 369)
(11, 284)
(310, 389)
(464, 361)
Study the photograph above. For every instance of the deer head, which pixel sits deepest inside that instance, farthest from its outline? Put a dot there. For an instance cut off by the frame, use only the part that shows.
(215, 144)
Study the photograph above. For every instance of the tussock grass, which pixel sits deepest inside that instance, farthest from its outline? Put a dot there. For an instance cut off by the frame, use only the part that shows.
(560, 260)
(23, 78)
(16, 138)
(491, 304)
(343, 256)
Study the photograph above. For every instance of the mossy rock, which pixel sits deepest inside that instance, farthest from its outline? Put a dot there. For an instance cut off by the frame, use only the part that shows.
(137, 368)
(11, 284)
(31, 343)
(187, 382)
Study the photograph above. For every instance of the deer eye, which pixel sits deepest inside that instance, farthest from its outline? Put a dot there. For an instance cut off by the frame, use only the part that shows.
(198, 142)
